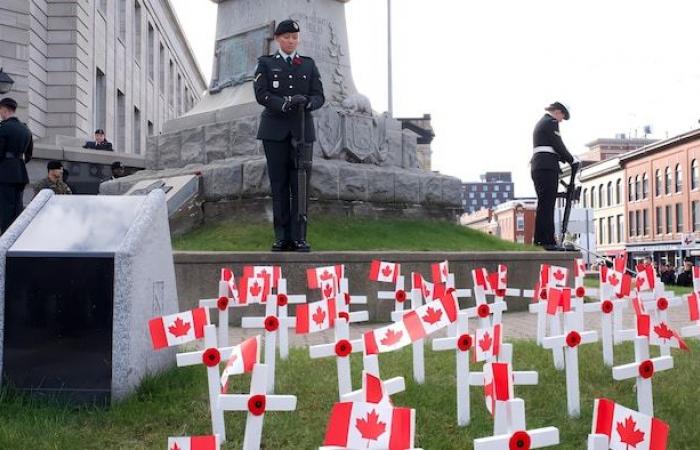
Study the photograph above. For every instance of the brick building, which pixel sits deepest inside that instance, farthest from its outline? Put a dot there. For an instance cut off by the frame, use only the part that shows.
(493, 189)
(606, 148)
(513, 220)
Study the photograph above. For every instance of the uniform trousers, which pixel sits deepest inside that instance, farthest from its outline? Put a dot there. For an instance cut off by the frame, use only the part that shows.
(546, 187)
(281, 157)
(10, 204)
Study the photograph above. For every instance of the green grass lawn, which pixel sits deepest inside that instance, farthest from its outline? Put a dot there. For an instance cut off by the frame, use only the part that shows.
(349, 234)
(176, 404)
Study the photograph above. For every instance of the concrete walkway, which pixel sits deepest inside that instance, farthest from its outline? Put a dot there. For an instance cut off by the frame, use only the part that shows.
(517, 325)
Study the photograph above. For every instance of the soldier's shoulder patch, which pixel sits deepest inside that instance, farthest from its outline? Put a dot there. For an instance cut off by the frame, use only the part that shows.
(258, 75)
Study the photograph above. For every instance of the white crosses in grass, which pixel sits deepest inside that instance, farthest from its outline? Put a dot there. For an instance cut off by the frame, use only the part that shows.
(282, 298)
(570, 341)
(694, 316)
(417, 347)
(606, 310)
(256, 404)
(511, 431)
(371, 365)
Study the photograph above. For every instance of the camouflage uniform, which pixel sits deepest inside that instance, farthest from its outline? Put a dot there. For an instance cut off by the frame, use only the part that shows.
(59, 187)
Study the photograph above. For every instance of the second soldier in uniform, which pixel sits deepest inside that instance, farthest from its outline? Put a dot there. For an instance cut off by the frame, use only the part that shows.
(285, 84)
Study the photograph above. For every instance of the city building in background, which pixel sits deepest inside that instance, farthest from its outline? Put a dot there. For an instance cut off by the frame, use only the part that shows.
(493, 189)
(605, 148)
(422, 126)
(513, 220)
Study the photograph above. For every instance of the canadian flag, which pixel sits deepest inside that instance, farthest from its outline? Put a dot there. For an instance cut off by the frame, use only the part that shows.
(370, 425)
(621, 282)
(193, 443)
(646, 279)
(275, 272)
(498, 383)
(317, 275)
(603, 274)
(254, 290)
(501, 278)
(696, 278)
(440, 271)
(693, 309)
(627, 428)
(179, 328)
(553, 275)
(488, 343)
(243, 358)
(384, 271)
(429, 290)
(658, 332)
(579, 268)
(316, 316)
(414, 325)
(620, 263)
(329, 288)
(558, 298)
(228, 277)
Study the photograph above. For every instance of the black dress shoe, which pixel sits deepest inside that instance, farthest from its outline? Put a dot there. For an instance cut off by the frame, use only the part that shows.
(281, 245)
(302, 246)
(553, 248)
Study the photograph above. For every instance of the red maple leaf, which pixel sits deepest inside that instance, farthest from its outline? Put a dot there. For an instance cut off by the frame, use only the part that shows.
(485, 342)
(175, 447)
(386, 271)
(426, 292)
(559, 275)
(263, 273)
(326, 275)
(663, 331)
(640, 281)
(328, 291)
(179, 328)
(613, 280)
(444, 270)
(391, 337)
(370, 428)
(628, 434)
(255, 289)
(319, 316)
(432, 316)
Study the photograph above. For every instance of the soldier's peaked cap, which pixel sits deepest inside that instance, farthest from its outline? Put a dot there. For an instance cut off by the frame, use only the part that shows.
(287, 26)
(560, 106)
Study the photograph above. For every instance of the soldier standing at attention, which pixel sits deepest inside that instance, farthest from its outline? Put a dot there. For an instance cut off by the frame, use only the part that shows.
(16, 146)
(548, 151)
(53, 180)
(286, 83)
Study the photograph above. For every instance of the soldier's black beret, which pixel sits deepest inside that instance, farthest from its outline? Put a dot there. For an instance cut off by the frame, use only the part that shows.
(287, 26)
(9, 103)
(560, 107)
(53, 165)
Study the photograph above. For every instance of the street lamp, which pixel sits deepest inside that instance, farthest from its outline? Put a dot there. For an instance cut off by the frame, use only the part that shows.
(6, 82)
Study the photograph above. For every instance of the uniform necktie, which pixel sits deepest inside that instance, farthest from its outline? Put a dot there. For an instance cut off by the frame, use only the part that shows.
(289, 60)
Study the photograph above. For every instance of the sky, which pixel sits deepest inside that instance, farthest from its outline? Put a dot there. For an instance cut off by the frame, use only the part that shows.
(485, 70)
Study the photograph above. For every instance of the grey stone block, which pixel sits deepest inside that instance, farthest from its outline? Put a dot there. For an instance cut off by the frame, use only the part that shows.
(243, 137)
(381, 186)
(152, 156)
(169, 150)
(324, 180)
(223, 181)
(409, 145)
(256, 182)
(192, 146)
(430, 189)
(407, 187)
(394, 155)
(353, 182)
(451, 191)
(217, 141)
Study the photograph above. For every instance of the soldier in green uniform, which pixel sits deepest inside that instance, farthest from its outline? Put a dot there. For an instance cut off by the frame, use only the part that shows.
(53, 180)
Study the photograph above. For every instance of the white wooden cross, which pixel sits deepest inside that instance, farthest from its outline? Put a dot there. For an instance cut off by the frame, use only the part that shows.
(511, 431)
(694, 316)
(569, 341)
(605, 308)
(544, 316)
(399, 294)
(642, 370)
(271, 323)
(488, 313)
(211, 356)
(282, 298)
(371, 365)
(256, 403)
(417, 347)
(226, 299)
(522, 378)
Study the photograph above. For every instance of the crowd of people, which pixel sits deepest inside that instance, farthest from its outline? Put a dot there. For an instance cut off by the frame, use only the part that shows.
(668, 274)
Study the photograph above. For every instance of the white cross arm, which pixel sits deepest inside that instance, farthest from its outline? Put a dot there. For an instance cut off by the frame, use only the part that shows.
(528, 293)
(463, 293)
(539, 438)
(358, 299)
(391, 386)
(324, 350)
(512, 292)
(526, 378)
(536, 307)
(386, 295)
(448, 343)
(691, 330)
(359, 316)
(494, 307)
(259, 322)
(631, 370)
(587, 337)
(239, 402)
(195, 358)
(291, 299)
(598, 442)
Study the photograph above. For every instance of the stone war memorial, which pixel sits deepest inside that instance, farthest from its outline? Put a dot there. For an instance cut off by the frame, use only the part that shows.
(109, 338)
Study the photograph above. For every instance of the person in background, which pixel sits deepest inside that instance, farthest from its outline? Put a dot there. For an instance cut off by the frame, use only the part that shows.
(53, 180)
(685, 278)
(118, 170)
(16, 147)
(666, 274)
(100, 142)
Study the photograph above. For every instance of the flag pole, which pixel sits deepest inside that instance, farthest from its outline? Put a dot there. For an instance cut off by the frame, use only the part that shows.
(389, 68)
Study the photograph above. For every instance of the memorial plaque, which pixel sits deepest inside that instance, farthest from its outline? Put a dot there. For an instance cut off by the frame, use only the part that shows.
(237, 56)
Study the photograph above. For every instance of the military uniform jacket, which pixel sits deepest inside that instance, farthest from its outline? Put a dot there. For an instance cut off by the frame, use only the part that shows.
(16, 146)
(106, 146)
(275, 81)
(546, 134)
(59, 187)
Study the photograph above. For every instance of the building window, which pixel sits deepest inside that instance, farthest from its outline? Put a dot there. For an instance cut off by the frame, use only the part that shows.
(695, 205)
(494, 195)
(496, 188)
(161, 68)
(601, 231)
(669, 182)
(659, 220)
(630, 189)
(508, 187)
(178, 94)
(474, 202)
(472, 187)
(645, 221)
(122, 20)
(645, 186)
(632, 224)
(137, 131)
(618, 191)
(611, 232)
(600, 196)
(483, 187)
(520, 222)
(679, 217)
(669, 219)
(637, 188)
(520, 239)
(138, 27)
(585, 198)
(593, 197)
(609, 193)
(620, 228)
(121, 121)
(482, 195)
(679, 178)
(640, 224)
(695, 174)
(659, 182)
(100, 100)
(151, 132)
(151, 52)
(471, 195)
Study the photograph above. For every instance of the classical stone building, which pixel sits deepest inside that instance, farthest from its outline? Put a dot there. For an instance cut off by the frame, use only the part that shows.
(78, 65)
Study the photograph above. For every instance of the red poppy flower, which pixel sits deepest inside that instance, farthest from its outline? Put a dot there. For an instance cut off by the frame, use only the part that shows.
(211, 357)
(256, 405)
(297, 61)
(580, 292)
(483, 311)
(400, 296)
(222, 303)
(464, 342)
(620, 295)
(343, 348)
(543, 294)
(662, 304)
(271, 323)
(520, 440)
(282, 300)
(347, 298)
(573, 339)
(344, 315)
(607, 306)
(450, 291)
(500, 292)
(646, 369)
